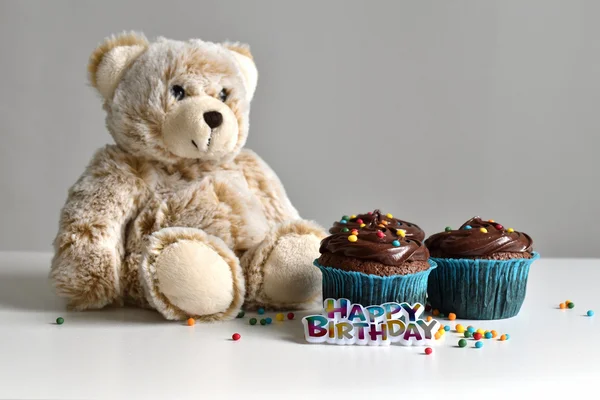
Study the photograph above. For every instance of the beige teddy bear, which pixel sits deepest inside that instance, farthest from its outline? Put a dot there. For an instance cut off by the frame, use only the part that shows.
(177, 216)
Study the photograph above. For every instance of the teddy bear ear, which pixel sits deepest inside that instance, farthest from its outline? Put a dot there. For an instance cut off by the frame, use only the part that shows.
(110, 60)
(245, 62)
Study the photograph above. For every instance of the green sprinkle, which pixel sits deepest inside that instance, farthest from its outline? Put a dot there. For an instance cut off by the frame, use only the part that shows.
(346, 217)
(462, 343)
(252, 321)
(241, 314)
(345, 229)
(263, 321)
(448, 229)
(468, 334)
(571, 305)
(60, 320)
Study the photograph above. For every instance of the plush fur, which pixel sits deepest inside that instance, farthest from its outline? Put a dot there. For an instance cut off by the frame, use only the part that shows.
(177, 215)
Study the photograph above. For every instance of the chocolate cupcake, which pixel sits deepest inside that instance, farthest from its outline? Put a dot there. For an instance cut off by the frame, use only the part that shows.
(374, 263)
(482, 270)
(348, 223)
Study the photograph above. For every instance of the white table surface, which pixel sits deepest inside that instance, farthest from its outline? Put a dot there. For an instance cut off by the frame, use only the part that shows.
(132, 353)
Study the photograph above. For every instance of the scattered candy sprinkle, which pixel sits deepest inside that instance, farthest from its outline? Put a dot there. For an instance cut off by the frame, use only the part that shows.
(261, 311)
(462, 343)
(429, 318)
(491, 221)
(380, 234)
(343, 221)
(451, 316)
(499, 227)
(468, 334)
(396, 243)
(470, 329)
(494, 334)
(354, 231)
(477, 336)
(190, 321)
(448, 229)
(447, 328)
(269, 320)
(428, 350)
(436, 312)
(352, 238)
(437, 336)
(488, 335)
(590, 313)
(352, 216)
(290, 315)
(562, 306)
(236, 336)
(510, 230)
(363, 225)
(280, 317)
(479, 345)
(467, 227)
(61, 320)
(482, 230)
(252, 321)
(460, 328)
(384, 222)
(571, 305)
(345, 217)
(503, 337)
(401, 232)
(263, 321)
(359, 221)
(389, 215)
(344, 229)
(507, 336)
(480, 331)
(241, 314)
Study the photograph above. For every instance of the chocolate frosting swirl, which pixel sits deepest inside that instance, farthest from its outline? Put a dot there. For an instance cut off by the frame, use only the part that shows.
(375, 243)
(412, 230)
(470, 241)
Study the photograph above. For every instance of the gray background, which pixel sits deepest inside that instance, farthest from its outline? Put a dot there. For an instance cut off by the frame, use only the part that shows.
(435, 111)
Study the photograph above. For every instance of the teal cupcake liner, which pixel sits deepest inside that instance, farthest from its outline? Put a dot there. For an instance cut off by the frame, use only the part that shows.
(479, 289)
(366, 289)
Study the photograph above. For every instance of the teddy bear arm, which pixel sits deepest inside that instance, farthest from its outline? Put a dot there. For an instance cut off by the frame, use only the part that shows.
(89, 245)
(267, 186)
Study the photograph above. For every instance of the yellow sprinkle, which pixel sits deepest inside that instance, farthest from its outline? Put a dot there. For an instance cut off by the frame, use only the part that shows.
(460, 328)
(483, 230)
(352, 216)
(437, 336)
(363, 225)
(510, 230)
(353, 238)
(480, 331)
(389, 215)
(401, 232)
(279, 317)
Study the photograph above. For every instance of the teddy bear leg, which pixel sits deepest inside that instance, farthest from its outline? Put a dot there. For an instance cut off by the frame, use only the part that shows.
(187, 273)
(279, 271)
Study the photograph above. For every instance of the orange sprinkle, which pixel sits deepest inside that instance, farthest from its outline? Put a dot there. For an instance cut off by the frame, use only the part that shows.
(451, 316)
(191, 321)
(436, 312)
(437, 336)
(429, 318)
(503, 337)
(562, 306)
(494, 334)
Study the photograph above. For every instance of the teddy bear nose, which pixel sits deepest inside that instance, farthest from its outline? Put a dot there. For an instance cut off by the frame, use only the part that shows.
(213, 119)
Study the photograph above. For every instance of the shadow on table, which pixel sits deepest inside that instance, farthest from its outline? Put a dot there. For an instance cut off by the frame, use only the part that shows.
(27, 291)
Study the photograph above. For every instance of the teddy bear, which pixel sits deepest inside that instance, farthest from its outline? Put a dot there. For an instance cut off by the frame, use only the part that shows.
(177, 215)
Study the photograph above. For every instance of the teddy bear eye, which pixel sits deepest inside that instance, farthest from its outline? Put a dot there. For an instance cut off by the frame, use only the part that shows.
(178, 92)
(223, 95)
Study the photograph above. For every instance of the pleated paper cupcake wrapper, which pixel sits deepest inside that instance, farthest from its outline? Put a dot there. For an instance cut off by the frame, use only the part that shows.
(366, 289)
(479, 289)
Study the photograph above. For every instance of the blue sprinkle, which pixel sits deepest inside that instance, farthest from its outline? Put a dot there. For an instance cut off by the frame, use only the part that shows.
(399, 223)
(396, 243)
(261, 311)
(447, 328)
(467, 227)
(488, 335)
(471, 329)
(507, 336)
(269, 320)
(479, 345)
(590, 313)
(343, 221)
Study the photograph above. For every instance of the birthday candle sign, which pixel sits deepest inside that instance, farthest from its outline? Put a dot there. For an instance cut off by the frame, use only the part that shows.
(344, 323)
